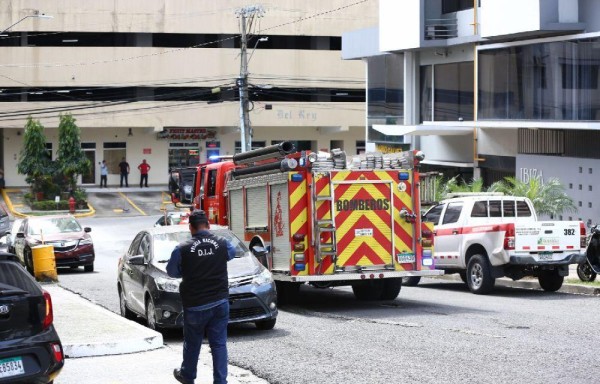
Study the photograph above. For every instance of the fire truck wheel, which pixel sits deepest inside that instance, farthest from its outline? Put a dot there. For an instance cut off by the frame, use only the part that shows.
(411, 281)
(265, 325)
(479, 275)
(391, 288)
(550, 281)
(368, 290)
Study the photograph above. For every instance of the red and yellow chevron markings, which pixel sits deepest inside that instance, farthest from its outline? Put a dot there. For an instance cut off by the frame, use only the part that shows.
(375, 248)
(299, 220)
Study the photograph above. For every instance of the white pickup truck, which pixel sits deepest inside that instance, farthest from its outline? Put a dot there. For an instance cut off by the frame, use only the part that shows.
(484, 237)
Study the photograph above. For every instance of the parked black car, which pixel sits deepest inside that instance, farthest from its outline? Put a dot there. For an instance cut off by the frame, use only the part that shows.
(30, 349)
(146, 290)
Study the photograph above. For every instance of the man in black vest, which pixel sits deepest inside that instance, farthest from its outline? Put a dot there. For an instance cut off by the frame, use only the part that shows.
(201, 262)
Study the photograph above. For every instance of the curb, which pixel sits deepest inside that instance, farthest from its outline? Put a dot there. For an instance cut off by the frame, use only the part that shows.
(16, 213)
(525, 284)
(87, 329)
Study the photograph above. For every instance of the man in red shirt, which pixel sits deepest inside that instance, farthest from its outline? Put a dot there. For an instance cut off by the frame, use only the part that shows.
(144, 169)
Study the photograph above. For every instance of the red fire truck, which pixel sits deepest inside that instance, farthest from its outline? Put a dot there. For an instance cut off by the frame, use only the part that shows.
(312, 219)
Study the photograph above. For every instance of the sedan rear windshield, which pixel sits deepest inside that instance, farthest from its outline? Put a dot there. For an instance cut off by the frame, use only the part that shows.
(50, 226)
(164, 243)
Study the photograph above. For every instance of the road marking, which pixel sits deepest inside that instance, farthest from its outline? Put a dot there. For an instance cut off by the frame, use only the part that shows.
(132, 204)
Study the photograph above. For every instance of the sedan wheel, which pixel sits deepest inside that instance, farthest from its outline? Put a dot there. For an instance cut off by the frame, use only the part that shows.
(28, 260)
(151, 315)
(125, 312)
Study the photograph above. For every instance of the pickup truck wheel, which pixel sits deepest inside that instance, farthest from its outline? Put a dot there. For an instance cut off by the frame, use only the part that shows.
(585, 272)
(411, 281)
(550, 281)
(479, 275)
(391, 288)
(368, 290)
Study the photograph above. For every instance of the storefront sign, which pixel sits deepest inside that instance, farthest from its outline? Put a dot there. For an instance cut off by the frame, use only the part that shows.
(388, 148)
(187, 134)
(283, 114)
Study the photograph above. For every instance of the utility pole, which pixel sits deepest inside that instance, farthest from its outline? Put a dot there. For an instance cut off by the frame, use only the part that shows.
(247, 17)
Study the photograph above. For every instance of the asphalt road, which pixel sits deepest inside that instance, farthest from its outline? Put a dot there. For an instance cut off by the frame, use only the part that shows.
(437, 332)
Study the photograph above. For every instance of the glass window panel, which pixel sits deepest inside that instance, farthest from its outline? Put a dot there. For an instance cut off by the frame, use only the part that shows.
(452, 213)
(453, 90)
(545, 81)
(479, 209)
(495, 208)
(433, 215)
(508, 208)
(523, 209)
(426, 93)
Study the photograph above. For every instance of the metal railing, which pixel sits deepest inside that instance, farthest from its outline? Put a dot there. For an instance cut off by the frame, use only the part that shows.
(440, 29)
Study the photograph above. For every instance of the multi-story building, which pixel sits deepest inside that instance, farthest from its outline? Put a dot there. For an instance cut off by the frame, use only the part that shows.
(157, 79)
(489, 88)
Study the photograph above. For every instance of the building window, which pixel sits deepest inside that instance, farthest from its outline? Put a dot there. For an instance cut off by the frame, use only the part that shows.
(589, 188)
(386, 87)
(545, 81)
(360, 147)
(114, 152)
(447, 92)
(49, 150)
(449, 6)
(255, 145)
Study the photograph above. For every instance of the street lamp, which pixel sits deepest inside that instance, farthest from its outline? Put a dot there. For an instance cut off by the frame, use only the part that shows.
(37, 16)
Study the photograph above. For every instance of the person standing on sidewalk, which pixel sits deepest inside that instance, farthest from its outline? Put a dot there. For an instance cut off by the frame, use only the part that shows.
(103, 174)
(124, 169)
(144, 169)
(201, 262)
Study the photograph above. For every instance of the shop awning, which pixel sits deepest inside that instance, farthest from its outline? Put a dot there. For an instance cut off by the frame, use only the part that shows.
(422, 130)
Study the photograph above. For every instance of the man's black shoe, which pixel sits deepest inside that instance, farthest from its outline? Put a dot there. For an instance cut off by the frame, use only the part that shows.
(181, 379)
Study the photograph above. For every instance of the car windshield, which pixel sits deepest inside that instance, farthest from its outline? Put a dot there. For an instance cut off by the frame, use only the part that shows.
(53, 225)
(164, 243)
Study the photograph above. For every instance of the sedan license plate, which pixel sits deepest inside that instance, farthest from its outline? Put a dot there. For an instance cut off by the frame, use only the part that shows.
(545, 256)
(11, 367)
(404, 258)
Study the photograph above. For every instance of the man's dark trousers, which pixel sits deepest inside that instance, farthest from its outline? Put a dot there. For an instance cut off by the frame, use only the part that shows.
(144, 180)
(124, 177)
(213, 321)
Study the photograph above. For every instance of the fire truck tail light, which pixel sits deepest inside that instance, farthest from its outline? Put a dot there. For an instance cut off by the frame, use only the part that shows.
(298, 237)
(427, 261)
(299, 258)
(299, 247)
(299, 267)
(297, 177)
(402, 176)
(582, 232)
(509, 237)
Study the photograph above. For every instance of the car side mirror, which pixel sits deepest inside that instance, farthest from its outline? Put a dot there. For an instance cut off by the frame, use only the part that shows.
(20, 235)
(261, 254)
(136, 260)
(87, 229)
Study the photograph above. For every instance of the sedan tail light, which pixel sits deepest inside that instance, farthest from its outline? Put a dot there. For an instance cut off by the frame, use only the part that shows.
(49, 315)
(57, 352)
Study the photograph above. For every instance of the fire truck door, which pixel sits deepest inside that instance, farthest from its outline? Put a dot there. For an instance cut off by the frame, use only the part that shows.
(364, 223)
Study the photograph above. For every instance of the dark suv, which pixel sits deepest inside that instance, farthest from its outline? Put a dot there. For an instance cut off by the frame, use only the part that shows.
(30, 350)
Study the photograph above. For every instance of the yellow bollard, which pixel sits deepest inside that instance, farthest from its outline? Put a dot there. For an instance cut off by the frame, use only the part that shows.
(44, 263)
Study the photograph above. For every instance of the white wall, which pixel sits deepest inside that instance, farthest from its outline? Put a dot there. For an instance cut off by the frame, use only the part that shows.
(448, 148)
(509, 16)
(400, 24)
(498, 142)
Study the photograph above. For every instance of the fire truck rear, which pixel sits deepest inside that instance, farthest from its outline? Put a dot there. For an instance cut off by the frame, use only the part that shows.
(320, 221)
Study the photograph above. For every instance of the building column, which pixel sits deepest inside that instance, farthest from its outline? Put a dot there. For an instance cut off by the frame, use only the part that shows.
(411, 93)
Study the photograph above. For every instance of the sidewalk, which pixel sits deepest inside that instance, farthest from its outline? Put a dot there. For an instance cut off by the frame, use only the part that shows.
(103, 347)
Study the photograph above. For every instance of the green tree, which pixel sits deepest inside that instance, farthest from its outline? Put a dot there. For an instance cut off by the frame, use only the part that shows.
(71, 160)
(34, 161)
(549, 198)
(456, 185)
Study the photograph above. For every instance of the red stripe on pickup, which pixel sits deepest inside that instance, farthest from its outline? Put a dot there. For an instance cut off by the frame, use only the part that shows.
(526, 248)
(555, 247)
(541, 247)
(570, 247)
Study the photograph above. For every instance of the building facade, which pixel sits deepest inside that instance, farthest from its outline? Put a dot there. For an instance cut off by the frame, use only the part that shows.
(489, 88)
(157, 79)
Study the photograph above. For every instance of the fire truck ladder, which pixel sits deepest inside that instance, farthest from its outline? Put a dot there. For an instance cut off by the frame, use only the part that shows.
(327, 248)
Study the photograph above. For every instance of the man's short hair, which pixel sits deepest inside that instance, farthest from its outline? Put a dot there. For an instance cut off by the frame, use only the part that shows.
(197, 218)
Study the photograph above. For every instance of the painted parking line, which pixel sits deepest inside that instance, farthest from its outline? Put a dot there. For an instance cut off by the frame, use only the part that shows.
(132, 204)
